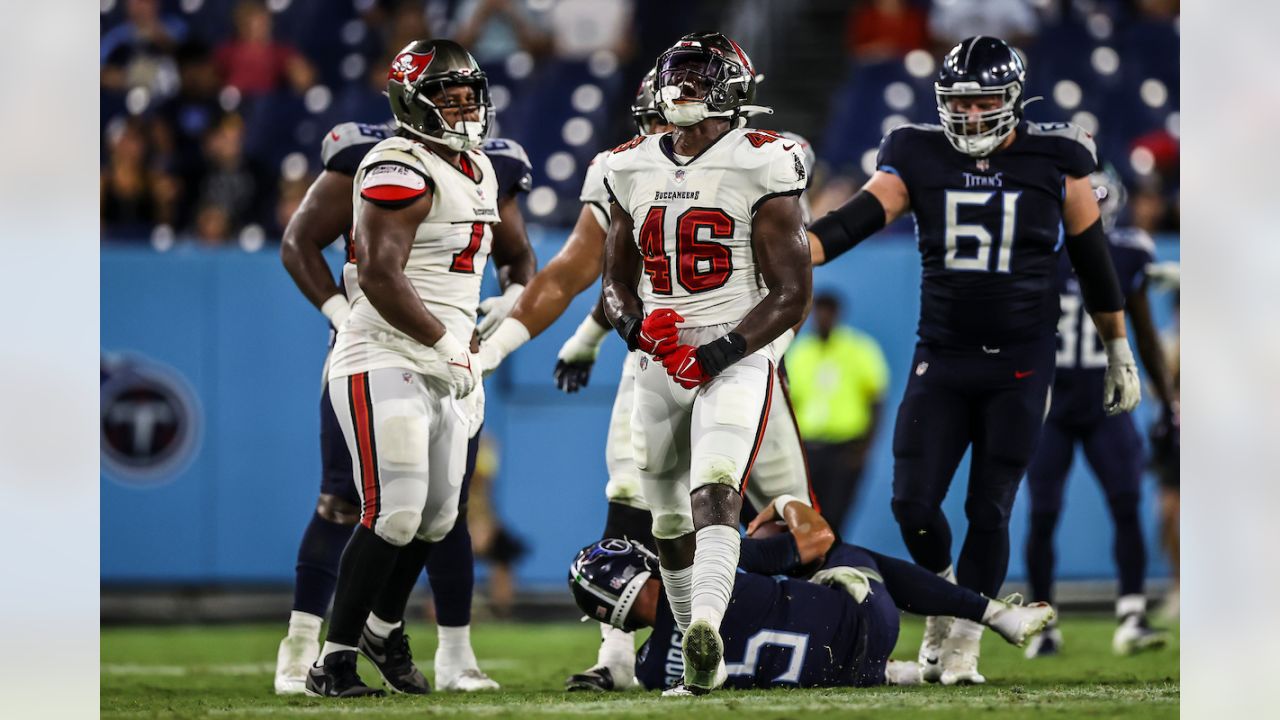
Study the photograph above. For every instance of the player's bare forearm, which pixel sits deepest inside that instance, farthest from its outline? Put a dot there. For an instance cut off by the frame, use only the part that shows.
(1110, 324)
(1149, 348)
(622, 265)
(574, 269)
(813, 534)
(383, 240)
(512, 255)
(323, 216)
(782, 255)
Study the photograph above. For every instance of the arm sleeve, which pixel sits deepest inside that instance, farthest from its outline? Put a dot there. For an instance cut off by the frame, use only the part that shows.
(1091, 258)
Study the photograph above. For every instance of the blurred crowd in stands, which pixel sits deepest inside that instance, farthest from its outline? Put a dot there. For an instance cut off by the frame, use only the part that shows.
(212, 111)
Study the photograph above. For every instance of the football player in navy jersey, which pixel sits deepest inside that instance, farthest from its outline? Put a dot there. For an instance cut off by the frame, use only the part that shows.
(995, 198)
(325, 215)
(836, 628)
(1111, 443)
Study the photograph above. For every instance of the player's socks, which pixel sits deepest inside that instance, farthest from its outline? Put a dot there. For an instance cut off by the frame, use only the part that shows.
(391, 600)
(919, 591)
(984, 559)
(1129, 547)
(678, 586)
(1133, 633)
(381, 628)
(617, 647)
(960, 653)
(297, 651)
(615, 667)
(365, 566)
(715, 563)
(628, 523)
(456, 666)
(451, 570)
(332, 647)
(316, 573)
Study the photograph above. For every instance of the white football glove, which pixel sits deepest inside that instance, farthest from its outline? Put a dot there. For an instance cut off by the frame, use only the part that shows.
(463, 368)
(496, 308)
(509, 335)
(1121, 389)
(578, 354)
(336, 308)
(1166, 276)
(851, 580)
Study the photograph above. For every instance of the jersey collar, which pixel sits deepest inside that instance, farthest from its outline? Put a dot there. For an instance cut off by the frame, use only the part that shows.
(666, 143)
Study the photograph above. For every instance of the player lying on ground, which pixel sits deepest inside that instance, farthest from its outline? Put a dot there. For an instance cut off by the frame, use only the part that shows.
(780, 468)
(837, 629)
(995, 199)
(324, 216)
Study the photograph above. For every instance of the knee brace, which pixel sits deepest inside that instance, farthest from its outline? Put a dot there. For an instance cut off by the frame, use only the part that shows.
(912, 515)
(399, 527)
(715, 470)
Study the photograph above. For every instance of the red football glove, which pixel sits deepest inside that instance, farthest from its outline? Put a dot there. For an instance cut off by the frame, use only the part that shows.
(657, 334)
(683, 367)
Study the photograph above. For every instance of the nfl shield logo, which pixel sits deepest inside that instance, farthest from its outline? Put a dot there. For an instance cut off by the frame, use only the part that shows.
(984, 165)
(922, 368)
(680, 175)
(644, 362)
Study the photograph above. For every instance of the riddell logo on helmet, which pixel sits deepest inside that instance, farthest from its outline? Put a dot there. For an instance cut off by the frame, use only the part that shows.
(409, 66)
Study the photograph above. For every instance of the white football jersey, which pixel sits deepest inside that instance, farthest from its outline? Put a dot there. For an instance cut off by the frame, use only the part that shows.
(594, 194)
(693, 221)
(446, 263)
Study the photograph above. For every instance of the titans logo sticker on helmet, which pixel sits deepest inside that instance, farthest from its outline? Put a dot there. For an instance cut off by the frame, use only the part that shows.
(150, 421)
(408, 66)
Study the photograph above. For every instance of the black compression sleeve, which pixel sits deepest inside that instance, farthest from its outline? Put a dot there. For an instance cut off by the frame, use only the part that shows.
(776, 555)
(1091, 259)
(851, 223)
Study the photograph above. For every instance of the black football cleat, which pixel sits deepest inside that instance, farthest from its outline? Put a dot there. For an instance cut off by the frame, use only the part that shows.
(597, 679)
(336, 677)
(394, 662)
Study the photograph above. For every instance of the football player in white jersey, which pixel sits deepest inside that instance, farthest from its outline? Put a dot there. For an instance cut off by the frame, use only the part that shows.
(401, 369)
(705, 267)
(323, 216)
(781, 468)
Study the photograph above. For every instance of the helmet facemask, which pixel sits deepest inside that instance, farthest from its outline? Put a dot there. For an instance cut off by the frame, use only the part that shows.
(979, 134)
(693, 85)
(463, 134)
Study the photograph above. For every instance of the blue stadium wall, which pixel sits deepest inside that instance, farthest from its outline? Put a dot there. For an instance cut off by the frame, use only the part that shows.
(248, 345)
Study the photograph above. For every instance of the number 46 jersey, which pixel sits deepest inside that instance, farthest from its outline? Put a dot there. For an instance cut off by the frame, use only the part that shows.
(692, 220)
(989, 229)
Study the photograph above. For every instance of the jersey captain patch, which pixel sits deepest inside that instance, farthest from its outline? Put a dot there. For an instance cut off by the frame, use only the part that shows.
(392, 185)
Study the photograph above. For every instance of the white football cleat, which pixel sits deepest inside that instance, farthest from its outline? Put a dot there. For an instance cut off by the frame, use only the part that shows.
(293, 660)
(470, 679)
(1017, 623)
(936, 630)
(902, 672)
(703, 657)
(960, 660)
(1134, 635)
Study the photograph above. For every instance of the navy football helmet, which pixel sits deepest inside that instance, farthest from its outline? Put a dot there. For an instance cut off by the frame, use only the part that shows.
(705, 74)
(980, 66)
(606, 578)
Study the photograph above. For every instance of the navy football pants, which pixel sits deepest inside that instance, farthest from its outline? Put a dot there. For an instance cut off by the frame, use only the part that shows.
(1113, 449)
(955, 399)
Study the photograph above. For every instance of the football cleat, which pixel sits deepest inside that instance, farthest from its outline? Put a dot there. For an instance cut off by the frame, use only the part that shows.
(682, 690)
(293, 659)
(902, 672)
(600, 678)
(703, 657)
(1017, 623)
(960, 660)
(470, 679)
(936, 630)
(336, 677)
(1046, 644)
(393, 661)
(1134, 636)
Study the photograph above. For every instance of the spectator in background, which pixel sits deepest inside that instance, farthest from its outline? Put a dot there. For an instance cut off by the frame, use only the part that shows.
(232, 189)
(139, 51)
(494, 30)
(580, 28)
(183, 121)
(134, 192)
(838, 378)
(254, 63)
(1013, 21)
(885, 29)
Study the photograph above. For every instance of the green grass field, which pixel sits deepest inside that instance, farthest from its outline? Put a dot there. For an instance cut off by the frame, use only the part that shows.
(226, 672)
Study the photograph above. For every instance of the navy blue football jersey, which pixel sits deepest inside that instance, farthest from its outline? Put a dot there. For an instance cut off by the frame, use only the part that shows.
(989, 229)
(1082, 356)
(777, 632)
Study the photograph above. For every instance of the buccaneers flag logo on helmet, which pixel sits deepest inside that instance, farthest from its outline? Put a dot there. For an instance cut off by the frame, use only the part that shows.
(408, 66)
